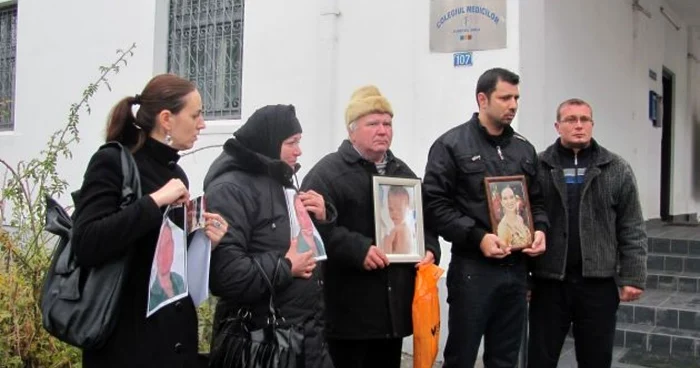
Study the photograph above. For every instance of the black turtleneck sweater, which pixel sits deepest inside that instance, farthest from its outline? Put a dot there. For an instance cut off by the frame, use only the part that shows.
(574, 166)
(102, 232)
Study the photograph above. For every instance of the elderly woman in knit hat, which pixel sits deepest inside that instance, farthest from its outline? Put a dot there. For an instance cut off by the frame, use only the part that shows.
(250, 184)
(368, 300)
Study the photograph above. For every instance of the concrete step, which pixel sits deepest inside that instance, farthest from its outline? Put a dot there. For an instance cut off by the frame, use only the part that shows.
(662, 322)
(673, 246)
(688, 282)
(662, 308)
(658, 341)
(671, 262)
(625, 358)
(642, 358)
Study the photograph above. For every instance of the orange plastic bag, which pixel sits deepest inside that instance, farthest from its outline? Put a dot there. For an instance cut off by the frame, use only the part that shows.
(426, 316)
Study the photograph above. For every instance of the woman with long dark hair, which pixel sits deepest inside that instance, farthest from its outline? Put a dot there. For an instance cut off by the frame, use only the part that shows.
(168, 119)
(512, 228)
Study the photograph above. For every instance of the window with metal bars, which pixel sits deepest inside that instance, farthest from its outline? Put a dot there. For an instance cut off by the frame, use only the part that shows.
(8, 52)
(205, 45)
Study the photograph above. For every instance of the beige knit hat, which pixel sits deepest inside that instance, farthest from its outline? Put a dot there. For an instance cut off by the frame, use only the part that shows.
(366, 100)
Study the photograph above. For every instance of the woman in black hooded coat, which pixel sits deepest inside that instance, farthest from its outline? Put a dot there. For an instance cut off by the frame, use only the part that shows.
(247, 185)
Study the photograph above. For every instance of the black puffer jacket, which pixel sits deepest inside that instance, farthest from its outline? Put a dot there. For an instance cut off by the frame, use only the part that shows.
(361, 304)
(247, 189)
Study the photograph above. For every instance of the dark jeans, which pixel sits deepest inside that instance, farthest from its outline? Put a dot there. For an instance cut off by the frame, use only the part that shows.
(486, 299)
(589, 304)
(379, 353)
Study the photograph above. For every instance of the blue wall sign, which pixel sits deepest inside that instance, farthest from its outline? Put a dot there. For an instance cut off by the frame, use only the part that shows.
(462, 59)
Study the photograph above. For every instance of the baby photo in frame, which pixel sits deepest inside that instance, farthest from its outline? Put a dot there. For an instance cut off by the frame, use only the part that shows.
(398, 218)
(509, 210)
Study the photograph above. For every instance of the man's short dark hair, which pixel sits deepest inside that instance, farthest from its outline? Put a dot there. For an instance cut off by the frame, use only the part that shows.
(488, 81)
(574, 102)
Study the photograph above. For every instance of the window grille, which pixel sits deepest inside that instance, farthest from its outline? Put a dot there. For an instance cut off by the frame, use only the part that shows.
(205, 45)
(8, 52)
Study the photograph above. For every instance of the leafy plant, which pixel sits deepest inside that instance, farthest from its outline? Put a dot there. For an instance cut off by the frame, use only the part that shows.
(205, 313)
(25, 248)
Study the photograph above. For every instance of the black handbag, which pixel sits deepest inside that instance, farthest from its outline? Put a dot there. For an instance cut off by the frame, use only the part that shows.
(275, 345)
(79, 305)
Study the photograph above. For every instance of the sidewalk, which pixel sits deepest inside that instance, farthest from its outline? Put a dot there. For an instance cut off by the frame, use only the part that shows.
(407, 362)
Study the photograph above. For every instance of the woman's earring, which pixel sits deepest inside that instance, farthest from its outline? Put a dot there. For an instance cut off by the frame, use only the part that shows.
(168, 139)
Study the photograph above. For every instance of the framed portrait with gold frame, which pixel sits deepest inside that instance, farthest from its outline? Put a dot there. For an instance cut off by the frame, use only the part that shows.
(509, 210)
(398, 218)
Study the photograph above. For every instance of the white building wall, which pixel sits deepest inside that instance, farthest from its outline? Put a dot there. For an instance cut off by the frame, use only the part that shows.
(314, 54)
(370, 42)
(676, 60)
(608, 66)
(366, 42)
(387, 45)
(60, 46)
(281, 48)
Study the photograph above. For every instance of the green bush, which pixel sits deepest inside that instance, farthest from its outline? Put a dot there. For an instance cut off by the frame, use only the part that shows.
(25, 248)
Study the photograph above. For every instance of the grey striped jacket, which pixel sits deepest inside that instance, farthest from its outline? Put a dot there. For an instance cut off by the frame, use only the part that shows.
(611, 225)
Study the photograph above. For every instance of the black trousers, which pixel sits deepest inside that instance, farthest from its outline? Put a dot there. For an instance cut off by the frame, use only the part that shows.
(589, 304)
(379, 353)
(486, 300)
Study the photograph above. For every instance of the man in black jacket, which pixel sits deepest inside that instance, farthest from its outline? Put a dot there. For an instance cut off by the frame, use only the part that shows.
(596, 218)
(486, 282)
(368, 301)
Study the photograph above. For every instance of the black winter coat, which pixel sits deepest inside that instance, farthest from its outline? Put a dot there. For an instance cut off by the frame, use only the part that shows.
(102, 232)
(247, 189)
(453, 188)
(361, 304)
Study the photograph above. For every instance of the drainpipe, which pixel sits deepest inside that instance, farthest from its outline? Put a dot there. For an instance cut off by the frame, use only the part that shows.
(694, 118)
(328, 118)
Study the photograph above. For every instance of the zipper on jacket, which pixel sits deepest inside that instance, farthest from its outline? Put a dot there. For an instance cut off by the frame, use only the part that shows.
(500, 154)
(568, 230)
(580, 188)
(576, 168)
(557, 182)
(584, 187)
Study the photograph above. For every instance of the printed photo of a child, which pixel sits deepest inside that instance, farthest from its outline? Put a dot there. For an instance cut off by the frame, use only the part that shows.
(398, 235)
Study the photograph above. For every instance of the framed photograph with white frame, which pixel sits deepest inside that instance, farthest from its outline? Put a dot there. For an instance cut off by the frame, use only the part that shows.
(398, 218)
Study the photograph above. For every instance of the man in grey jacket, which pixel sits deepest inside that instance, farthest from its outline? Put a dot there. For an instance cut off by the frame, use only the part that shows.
(597, 244)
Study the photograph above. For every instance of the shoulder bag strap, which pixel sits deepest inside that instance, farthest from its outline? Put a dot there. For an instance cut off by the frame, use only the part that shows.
(131, 180)
(270, 284)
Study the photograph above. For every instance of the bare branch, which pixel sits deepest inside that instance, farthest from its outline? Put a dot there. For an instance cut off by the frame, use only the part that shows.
(24, 249)
(200, 149)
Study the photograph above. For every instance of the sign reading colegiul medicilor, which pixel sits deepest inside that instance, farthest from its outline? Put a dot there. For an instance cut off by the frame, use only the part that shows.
(467, 25)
